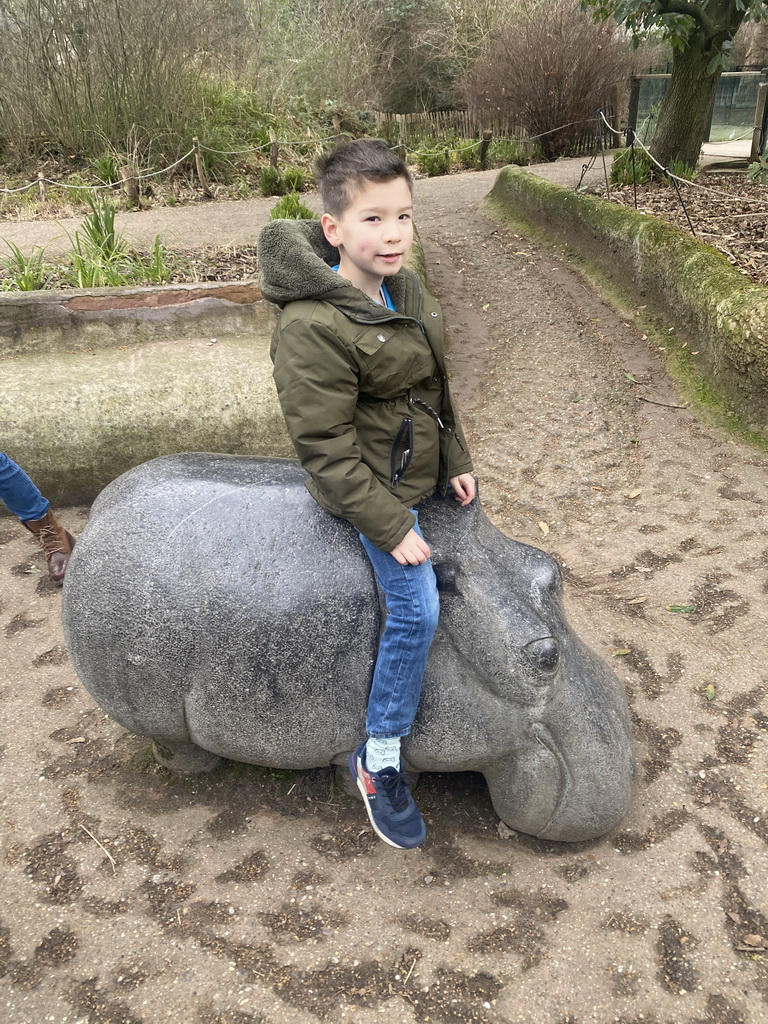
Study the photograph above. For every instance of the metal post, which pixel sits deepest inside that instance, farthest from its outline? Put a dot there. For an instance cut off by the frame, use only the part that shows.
(634, 102)
(757, 129)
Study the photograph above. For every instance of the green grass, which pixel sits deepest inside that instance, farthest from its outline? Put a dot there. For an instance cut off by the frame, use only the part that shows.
(26, 273)
(99, 257)
(291, 206)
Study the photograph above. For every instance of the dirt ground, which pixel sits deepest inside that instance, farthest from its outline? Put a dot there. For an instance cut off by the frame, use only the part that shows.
(257, 897)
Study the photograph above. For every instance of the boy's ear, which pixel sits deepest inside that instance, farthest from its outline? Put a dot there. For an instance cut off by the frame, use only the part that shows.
(330, 229)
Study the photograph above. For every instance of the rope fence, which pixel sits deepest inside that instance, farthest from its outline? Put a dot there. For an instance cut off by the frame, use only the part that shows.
(687, 181)
(274, 145)
(676, 179)
(600, 122)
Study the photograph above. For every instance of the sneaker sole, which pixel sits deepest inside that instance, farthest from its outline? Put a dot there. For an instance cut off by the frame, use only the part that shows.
(374, 826)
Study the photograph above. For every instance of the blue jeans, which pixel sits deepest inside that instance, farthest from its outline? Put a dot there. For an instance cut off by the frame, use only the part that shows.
(410, 593)
(19, 493)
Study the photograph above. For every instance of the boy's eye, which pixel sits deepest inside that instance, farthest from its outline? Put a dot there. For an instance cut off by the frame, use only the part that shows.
(405, 216)
(372, 218)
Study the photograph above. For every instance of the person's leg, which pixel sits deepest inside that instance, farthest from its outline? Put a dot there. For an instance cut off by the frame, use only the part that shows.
(412, 612)
(26, 502)
(410, 593)
(19, 493)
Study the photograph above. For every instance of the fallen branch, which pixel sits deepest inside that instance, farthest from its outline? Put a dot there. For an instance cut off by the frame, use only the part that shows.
(667, 405)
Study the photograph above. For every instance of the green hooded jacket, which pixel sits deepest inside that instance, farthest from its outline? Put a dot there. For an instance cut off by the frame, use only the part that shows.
(364, 389)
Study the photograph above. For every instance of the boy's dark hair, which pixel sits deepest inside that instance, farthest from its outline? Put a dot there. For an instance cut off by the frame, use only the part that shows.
(345, 170)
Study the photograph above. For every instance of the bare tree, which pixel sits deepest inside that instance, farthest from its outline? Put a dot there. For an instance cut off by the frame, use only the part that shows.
(548, 66)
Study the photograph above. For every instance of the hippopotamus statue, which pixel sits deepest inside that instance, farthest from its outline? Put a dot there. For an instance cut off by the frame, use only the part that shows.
(213, 606)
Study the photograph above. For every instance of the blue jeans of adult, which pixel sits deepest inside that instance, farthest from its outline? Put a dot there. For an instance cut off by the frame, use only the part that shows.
(410, 593)
(19, 493)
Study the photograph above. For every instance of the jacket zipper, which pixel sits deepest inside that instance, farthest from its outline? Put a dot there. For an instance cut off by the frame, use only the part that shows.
(402, 451)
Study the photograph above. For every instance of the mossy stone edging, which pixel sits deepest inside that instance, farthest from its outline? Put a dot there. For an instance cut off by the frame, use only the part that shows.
(691, 284)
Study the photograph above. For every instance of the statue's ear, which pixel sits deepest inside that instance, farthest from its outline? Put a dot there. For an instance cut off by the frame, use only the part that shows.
(446, 577)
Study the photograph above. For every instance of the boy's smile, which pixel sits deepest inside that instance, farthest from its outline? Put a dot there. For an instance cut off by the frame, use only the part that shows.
(374, 234)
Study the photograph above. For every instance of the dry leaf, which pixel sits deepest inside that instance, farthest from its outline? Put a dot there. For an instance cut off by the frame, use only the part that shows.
(636, 493)
(753, 940)
(77, 739)
(637, 600)
(544, 527)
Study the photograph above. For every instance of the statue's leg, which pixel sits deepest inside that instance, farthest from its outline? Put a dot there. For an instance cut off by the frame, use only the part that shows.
(184, 758)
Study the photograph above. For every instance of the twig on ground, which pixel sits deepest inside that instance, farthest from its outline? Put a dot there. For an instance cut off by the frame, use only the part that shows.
(667, 405)
(101, 847)
(410, 971)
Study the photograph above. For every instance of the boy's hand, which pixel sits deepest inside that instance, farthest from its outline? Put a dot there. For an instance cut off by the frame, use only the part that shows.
(464, 488)
(412, 549)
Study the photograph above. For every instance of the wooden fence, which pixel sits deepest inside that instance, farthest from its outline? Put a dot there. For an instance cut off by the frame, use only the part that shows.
(412, 129)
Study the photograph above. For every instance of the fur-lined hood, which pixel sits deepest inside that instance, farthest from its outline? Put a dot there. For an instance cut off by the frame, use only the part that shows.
(296, 261)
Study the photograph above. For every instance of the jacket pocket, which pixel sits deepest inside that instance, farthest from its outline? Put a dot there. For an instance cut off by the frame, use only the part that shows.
(402, 451)
(386, 360)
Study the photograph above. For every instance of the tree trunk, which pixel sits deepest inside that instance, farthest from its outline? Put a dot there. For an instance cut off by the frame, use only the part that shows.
(756, 55)
(683, 123)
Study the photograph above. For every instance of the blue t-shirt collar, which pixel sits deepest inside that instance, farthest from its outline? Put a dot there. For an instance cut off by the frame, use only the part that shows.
(384, 292)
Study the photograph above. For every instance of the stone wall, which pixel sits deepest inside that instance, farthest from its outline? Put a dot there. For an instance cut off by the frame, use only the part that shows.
(95, 382)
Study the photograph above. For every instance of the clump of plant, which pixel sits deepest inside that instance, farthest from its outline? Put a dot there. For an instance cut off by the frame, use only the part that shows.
(292, 179)
(632, 166)
(157, 267)
(682, 170)
(507, 151)
(466, 154)
(106, 168)
(291, 206)
(273, 182)
(269, 181)
(433, 164)
(25, 273)
(101, 256)
(757, 171)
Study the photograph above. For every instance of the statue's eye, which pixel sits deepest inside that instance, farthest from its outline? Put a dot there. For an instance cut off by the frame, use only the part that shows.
(544, 654)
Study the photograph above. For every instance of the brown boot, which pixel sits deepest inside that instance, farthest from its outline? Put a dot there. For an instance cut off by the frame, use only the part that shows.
(56, 542)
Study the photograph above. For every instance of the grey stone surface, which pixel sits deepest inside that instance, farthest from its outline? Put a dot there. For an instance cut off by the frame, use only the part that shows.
(75, 420)
(210, 604)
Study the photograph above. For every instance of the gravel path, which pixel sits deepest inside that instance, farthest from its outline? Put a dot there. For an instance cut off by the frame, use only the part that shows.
(234, 222)
(257, 897)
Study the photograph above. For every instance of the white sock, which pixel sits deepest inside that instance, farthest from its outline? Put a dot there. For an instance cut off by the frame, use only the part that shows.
(382, 752)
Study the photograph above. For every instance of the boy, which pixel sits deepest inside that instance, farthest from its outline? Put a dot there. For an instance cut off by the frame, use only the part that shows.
(360, 372)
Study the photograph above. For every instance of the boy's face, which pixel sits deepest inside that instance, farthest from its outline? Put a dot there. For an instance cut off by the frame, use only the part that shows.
(374, 234)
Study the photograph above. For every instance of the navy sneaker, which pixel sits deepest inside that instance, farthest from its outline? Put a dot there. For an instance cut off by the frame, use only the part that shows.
(391, 809)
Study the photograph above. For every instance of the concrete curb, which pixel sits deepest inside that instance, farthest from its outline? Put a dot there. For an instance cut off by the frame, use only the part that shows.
(44, 321)
(724, 315)
(93, 383)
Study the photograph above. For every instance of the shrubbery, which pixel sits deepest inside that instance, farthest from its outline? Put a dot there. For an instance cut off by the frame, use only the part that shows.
(292, 207)
(547, 68)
